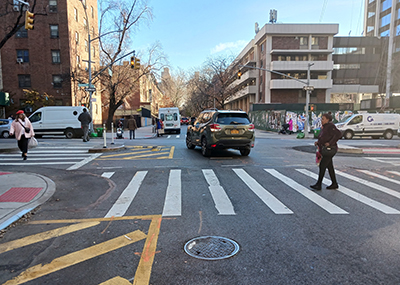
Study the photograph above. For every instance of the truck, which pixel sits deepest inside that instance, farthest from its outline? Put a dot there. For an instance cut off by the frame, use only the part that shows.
(57, 120)
(171, 120)
(370, 124)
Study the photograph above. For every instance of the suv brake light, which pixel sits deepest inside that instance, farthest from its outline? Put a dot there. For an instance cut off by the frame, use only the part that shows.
(251, 127)
(215, 128)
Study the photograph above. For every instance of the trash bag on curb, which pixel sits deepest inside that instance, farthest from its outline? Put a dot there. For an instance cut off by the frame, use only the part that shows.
(300, 136)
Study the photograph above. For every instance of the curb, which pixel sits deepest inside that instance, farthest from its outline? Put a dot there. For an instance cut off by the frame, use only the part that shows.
(106, 149)
(18, 213)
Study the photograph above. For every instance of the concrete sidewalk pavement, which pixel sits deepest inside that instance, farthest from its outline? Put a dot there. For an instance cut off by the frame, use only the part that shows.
(20, 193)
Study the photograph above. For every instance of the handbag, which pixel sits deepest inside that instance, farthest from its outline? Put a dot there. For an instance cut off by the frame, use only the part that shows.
(328, 151)
(33, 142)
(27, 130)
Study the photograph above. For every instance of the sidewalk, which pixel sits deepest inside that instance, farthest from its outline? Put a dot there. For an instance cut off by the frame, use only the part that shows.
(20, 193)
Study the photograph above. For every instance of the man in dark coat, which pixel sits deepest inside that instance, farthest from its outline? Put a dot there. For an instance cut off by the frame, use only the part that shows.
(131, 125)
(85, 120)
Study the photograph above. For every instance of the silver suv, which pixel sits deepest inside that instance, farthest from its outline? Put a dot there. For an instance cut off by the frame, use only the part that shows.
(221, 129)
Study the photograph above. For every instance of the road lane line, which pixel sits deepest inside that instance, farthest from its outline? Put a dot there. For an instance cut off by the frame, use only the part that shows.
(173, 199)
(44, 236)
(355, 195)
(122, 204)
(221, 199)
(76, 257)
(83, 162)
(107, 174)
(370, 184)
(379, 176)
(273, 203)
(395, 172)
(312, 196)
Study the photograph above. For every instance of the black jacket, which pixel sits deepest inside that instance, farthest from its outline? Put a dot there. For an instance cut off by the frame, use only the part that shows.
(329, 134)
(85, 118)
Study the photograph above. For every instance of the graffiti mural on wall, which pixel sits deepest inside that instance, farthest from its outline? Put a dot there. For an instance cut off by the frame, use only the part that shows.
(273, 120)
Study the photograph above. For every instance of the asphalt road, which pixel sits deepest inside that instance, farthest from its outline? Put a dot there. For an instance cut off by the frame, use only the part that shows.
(126, 216)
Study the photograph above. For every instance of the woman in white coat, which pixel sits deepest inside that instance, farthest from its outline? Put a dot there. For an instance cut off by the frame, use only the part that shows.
(19, 128)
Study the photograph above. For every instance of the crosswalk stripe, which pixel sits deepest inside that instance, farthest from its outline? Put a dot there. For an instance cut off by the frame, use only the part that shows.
(107, 174)
(122, 204)
(356, 196)
(173, 204)
(83, 162)
(379, 176)
(370, 184)
(395, 172)
(312, 196)
(273, 203)
(221, 199)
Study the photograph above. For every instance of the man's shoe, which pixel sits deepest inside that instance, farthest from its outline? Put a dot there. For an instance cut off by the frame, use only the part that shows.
(316, 187)
(332, 187)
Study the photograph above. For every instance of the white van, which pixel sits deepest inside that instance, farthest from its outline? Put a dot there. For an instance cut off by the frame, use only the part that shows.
(57, 120)
(367, 124)
(171, 120)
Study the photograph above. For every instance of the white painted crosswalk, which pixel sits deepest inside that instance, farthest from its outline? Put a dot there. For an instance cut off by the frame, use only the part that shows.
(70, 157)
(260, 189)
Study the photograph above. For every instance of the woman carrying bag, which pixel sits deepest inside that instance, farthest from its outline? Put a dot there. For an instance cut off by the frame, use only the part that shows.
(327, 148)
(23, 130)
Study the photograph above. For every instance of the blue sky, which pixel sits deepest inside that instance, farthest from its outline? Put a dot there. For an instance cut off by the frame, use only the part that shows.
(192, 31)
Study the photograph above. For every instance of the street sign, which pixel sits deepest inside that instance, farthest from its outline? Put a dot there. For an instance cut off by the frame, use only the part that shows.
(83, 84)
(94, 100)
(92, 89)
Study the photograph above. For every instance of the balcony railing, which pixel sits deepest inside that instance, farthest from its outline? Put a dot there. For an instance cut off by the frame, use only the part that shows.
(248, 90)
(293, 84)
(301, 65)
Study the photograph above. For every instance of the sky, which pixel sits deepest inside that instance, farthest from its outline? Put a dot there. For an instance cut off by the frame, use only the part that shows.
(191, 31)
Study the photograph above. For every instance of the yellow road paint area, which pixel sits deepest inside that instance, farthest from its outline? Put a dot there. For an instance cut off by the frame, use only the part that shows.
(151, 152)
(116, 281)
(77, 257)
(45, 236)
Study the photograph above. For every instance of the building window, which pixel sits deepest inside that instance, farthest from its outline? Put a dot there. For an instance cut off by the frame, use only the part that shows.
(78, 61)
(22, 55)
(24, 80)
(94, 52)
(385, 20)
(57, 81)
(54, 31)
(53, 6)
(92, 11)
(386, 5)
(21, 33)
(77, 37)
(371, 14)
(303, 41)
(93, 31)
(85, 22)
(86, 46)
(385, 33)
(76, 14)
(314, 41)
(55, 56)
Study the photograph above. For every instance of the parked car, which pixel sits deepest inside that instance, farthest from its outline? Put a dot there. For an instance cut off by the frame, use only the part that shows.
(5, 125)
(221, 129)
(184, 121)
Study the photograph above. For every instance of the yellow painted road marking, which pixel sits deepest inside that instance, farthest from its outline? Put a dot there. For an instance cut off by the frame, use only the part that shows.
(143, 271)
(78, 257)
(152, 152)
(125, 154)
(145, 155)
(74, 221)
(171, 153)
(44, 236)
(116, 281)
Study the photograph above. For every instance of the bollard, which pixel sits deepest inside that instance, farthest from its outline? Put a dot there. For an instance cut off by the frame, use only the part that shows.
(104, 136)
(112, 133)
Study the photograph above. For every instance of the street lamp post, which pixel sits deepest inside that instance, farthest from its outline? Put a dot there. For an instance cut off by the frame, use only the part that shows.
(307, 88)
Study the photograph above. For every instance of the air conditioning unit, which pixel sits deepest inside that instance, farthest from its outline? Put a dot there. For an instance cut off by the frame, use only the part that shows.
(20, 60)
(16, 8)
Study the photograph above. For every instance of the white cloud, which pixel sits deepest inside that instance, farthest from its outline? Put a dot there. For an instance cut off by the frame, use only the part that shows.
(232, 46)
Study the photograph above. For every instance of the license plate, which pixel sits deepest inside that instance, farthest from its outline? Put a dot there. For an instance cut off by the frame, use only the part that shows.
(234, 132)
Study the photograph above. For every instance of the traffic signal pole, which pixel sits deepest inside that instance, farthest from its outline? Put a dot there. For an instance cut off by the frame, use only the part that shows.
(307, 88)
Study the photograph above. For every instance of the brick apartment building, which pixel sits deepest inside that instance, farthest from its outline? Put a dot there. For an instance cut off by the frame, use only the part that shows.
(52, 58)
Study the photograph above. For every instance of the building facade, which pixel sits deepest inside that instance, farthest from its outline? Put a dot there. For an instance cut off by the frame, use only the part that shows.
(53, 57)
(290, 49)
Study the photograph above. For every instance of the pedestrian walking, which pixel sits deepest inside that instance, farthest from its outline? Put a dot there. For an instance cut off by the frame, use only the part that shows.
(327, 148)
(22, 128)
(85, 120)
(131, 125)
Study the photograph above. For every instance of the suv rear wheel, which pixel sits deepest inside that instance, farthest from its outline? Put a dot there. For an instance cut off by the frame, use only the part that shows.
(245, 151)
(205, 151)
(189, 143)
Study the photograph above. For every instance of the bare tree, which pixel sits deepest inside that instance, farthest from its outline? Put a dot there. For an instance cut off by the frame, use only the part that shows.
(175, 87)
(125, 17)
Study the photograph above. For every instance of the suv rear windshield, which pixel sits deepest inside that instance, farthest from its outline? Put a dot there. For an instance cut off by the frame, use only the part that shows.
(233, 119)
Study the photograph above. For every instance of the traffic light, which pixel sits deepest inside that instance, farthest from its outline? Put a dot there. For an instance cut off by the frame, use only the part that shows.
(132, 62)
(29, 20)
(239, 74)
(312, 108)
(137, 63)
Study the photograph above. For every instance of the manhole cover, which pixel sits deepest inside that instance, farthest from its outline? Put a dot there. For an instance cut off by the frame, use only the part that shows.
(211, 247)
